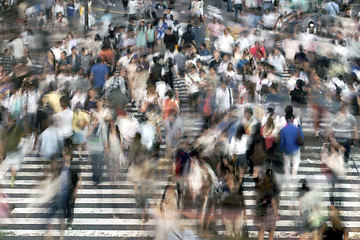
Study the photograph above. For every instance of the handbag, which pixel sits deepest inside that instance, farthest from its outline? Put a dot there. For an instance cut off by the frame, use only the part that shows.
(299, 139)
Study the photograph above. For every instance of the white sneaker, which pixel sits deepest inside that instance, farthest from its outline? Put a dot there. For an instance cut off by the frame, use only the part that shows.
(317, 134)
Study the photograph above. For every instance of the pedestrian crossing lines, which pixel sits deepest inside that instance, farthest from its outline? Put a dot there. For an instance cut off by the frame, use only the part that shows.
(110, 211)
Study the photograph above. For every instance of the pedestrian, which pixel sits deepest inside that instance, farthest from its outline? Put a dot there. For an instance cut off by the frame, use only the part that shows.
(266, 211)
(290, 141)
(97, 146)
(98, 75)
(238, 8)
(11, 148)
(160, 31)
(343, 129)
(74, 184)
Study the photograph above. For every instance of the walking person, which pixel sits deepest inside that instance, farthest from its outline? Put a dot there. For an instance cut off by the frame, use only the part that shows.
(344, 130)
(74, 183)
(97, 146)
(238, 8)
(289, 145)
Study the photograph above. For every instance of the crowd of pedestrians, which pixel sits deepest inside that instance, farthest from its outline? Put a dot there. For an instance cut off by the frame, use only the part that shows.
(79, 94)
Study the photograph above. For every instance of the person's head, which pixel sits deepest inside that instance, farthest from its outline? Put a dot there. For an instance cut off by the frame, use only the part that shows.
(226, 57)
(170, 94)
(161, 20)
(216, 54)
(299, 84)
(63, 55)
(223, 85)
(288, 109)
(257, 44)
(248, 113)
(73, 50)
(226, 31)
(64, 102)
(169, 30)
(301, 48)
(50, 55)
(276, 51)
(289, 117)
(193, 70)
(203, 46)
(343, 109)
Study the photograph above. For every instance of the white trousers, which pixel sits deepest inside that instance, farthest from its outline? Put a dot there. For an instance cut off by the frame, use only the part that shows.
(292, 160)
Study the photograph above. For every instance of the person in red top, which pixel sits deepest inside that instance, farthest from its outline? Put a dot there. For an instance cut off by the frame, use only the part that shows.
(258, 52)
(171, 104)
(106, 54)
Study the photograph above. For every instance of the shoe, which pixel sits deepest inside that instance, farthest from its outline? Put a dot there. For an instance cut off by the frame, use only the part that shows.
(12, 182)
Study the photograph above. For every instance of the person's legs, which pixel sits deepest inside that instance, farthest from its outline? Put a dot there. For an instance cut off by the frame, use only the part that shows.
(261, 234)
(295, 161)
(228, 226)
(287, 159)
(238, 8)
(271, 234)
(229, 5)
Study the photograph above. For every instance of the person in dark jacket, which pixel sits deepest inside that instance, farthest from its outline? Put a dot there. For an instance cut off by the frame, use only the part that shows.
(170, 40)
(74, 61)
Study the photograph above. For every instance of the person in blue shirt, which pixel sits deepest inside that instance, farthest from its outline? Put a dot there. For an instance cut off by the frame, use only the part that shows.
(99, 74)
(70, 10)
(203, 51)
(289, 145)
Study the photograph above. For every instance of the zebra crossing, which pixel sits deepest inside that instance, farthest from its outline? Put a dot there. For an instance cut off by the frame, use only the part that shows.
(109, 211)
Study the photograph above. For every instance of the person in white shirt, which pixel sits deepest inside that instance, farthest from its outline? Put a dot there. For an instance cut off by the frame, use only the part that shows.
(223, 98)
(17, 47)
(63, 121)
(192, 82)
(239, 144)
(277, 60)
(31, 102)
(224, 64)
(226, 42)
(124, 61)
(133, 5)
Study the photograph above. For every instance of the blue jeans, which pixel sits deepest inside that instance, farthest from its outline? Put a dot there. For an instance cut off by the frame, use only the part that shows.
(238, 8)
(229, 5)
(97, 161)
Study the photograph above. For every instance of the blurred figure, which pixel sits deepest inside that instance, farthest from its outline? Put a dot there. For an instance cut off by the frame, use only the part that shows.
(239, 146)
(74, 183)
(336, 229)
(11, 147)
(344, 130)
(233, 207)
(97, 146)
(266, 209)
(174, 130)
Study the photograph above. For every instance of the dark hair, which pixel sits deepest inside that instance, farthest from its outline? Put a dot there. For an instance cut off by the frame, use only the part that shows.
(240, 132)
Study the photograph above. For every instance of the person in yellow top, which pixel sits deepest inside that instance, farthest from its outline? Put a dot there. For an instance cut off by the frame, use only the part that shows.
(52, 98)
(80, 122)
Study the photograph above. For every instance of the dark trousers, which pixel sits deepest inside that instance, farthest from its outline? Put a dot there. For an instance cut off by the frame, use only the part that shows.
(97, 161)
(238, 8)
(69, 207)
(346, 143)
(229, 5)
